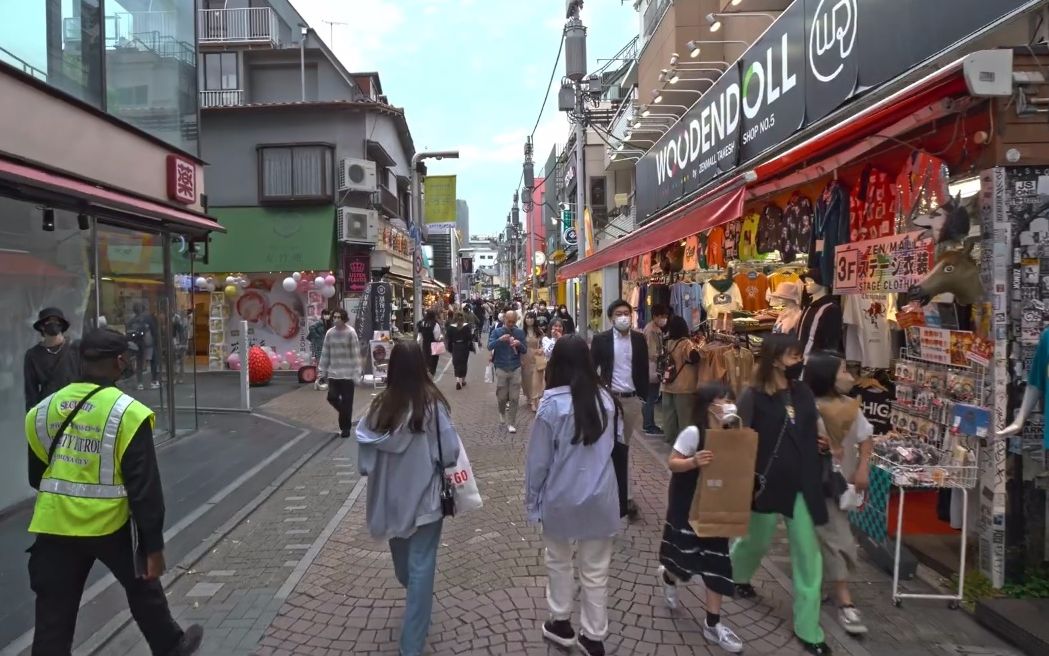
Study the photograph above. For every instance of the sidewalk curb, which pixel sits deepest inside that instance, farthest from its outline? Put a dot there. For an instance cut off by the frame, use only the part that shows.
(101, 638)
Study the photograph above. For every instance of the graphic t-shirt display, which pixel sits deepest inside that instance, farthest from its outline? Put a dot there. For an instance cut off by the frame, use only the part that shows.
(1038, 377)
(769, 228)
(921, 187)
(796, 227)
(721, 296)
(748, 236)
(732, 232)
(876, 405)
(753, 287)
(871, 215)
(691, 261)
(701, 250)
(867, 337)
(716, 248)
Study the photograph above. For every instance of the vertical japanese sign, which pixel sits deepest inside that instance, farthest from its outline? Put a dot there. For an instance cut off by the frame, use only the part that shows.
(439, 208)
(885, 265)
(182, 180)
(357, 266)
(382, 306)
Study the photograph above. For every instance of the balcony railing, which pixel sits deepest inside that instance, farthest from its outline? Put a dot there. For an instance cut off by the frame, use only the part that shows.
(246, 25)
(386, 202)
(222, 98)
(652, 16)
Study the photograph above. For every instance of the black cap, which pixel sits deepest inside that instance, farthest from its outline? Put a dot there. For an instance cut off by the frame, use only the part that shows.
(102, 344)
(50, 313)
(815, 275)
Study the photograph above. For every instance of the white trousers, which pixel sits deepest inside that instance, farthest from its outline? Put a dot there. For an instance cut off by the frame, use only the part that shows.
(592, 557)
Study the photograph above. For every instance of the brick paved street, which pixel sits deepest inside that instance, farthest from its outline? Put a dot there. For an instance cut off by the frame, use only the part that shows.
(280, 584)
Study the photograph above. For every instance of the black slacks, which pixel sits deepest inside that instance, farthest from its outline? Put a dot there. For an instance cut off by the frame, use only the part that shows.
(58, 569)
(340, 396)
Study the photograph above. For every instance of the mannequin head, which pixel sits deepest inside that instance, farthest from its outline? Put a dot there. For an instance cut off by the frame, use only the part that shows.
(814, 286)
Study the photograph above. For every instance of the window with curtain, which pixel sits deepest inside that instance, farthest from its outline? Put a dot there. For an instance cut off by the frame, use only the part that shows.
(295, 173)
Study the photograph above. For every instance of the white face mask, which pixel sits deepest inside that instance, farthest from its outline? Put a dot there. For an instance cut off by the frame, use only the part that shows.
(723, 412)
(622, 323)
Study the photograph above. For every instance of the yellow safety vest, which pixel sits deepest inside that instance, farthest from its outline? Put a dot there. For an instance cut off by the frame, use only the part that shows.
(82, 491)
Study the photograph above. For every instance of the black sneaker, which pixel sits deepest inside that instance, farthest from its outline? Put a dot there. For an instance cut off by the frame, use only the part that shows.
(591, 647)
(190, 642)
(745, 591)
(815, 648)
(458, 385)
(344, 434)
(559, 632)
(653, 430)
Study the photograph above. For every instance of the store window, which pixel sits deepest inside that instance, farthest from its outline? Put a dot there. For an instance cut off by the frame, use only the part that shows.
(59, 43)
(295, 173)
(220, 71)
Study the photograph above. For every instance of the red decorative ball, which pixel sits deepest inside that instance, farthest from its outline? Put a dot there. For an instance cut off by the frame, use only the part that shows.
(260, 367)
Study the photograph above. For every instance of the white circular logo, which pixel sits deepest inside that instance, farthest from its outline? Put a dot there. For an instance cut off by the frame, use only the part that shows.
(831, 37)
(570, 235)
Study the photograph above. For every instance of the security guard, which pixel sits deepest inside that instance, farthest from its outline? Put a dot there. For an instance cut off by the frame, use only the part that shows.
(91, 458)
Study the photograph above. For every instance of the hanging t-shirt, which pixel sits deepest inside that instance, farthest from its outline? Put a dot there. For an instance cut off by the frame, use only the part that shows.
(775, 279)
(921, 187)
(701, 250)
(1038, 377)
(691, 260)
(716, 248)
(796, 227)
(721, 296)
(732, 231)
(646, 265)
(876, 406)
(769, 227)
(748, 237)
(872, 213)
(753, 287)
(867, 339)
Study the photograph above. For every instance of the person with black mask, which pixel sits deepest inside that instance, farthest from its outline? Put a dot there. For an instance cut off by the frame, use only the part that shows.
(788, 482)
(567, 323)
(51, 364)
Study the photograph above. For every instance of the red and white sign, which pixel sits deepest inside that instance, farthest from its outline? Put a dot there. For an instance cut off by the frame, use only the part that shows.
(182, 180)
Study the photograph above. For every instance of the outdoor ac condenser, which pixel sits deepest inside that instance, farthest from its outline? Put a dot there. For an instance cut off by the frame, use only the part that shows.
(358, 226)
(357, 175)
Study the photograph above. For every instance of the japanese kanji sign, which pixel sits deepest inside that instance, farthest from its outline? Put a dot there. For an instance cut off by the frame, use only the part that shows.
(182, 180)
(886, 265)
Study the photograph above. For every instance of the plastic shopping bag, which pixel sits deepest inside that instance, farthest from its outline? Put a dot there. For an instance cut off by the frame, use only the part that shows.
(461, 476)
(489, 373)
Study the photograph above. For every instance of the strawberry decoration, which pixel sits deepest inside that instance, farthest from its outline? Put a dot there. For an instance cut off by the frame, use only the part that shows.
(260, 368)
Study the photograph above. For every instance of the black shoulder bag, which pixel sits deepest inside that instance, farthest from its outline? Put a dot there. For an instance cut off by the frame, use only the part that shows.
(620, 461)
(69, 418)
(447, 491)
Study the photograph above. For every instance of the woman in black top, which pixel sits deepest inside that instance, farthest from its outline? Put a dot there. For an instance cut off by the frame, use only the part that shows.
(567, 323)
(788, 469)
(461, 345)
(430, 331)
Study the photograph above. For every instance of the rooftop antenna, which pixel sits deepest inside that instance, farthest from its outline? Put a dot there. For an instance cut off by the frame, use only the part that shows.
(331, 31)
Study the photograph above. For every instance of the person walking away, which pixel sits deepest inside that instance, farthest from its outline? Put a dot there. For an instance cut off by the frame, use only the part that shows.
(340, 367)
(507, 344)
(430, 331)
(654, 339)
(52, 363)
(470, 319)
(848, 436)
(572, 491)
(315, 337)
(679, 391)
(556, 333)
(99, 497)
(400, 456)
(460, 345)
(783, 413)
(142, 330)
(181, 334)
(566, 320)
(621, 357)
(682, 554)
(531, 374)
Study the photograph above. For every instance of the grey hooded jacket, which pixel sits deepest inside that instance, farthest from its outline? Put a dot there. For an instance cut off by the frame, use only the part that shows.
(401, 466)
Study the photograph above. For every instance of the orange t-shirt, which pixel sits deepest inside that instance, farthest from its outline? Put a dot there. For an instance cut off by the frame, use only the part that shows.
(716, 248)
(752, 287)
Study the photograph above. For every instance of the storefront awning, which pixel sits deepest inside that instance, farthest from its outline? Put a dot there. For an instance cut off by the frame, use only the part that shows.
(720, 205)
(103, 198)
(272, 239)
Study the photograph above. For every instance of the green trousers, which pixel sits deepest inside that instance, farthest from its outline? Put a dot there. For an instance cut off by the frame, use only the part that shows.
(805, 559)
(679, 412)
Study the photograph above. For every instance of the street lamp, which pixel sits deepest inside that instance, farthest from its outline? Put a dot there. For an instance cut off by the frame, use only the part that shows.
(417, 216)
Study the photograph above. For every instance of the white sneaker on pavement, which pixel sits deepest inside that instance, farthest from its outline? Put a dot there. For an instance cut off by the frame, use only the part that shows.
(725, 637)
(851, 620)
(510, 429)
(669, 591)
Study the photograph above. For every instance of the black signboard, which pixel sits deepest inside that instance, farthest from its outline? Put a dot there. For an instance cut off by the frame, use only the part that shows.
(382, 305)
(814, 58)
(772, 94)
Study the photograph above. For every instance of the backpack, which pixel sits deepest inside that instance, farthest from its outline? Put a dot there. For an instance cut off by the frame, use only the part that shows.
(138, 331)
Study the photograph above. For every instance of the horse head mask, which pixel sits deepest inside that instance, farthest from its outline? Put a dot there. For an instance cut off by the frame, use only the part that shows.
(955, 272)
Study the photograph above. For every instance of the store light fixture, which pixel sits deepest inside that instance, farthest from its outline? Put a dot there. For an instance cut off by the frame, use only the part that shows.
(714, 19)
(657, 97)
(48, 220)
(694, 46)
(964, 188)
(83, 221)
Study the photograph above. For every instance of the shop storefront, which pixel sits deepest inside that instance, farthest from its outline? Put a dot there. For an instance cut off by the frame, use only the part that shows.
(914, 198)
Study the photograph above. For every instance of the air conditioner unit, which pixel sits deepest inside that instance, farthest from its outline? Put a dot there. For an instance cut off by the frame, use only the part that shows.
(357, 175)
(357, 226)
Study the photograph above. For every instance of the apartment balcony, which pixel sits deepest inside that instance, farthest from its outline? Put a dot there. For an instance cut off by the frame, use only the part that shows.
(651, 17)
(387, 202)
(222, 98)
(247, 26)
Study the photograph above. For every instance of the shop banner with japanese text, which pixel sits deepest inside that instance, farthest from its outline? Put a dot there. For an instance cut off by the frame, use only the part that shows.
(889, 265)
(439, 207)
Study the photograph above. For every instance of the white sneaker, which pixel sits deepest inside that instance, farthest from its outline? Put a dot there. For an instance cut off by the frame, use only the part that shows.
(851, 620)
(669, 591)
(725, 637)
(510, 429)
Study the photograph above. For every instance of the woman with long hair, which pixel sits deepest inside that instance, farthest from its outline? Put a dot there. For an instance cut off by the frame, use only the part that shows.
(848, 435)
(679, 390)
(565, 316)
(408, 424)
(572, 490)
(461, 345)
(683, 555)
(532, 367)
(429, 330)
(783, 412)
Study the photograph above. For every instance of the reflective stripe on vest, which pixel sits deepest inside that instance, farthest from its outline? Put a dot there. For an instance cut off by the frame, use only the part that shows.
(107, 456)
(82, 490)
(42, 434)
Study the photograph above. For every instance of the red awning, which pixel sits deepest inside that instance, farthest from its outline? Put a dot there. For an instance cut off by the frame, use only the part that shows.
(707, 211)
(24, 265)
(106, 198)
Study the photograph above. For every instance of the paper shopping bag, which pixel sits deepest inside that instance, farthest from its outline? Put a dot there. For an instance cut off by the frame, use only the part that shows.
(461, 476)
(725, 489)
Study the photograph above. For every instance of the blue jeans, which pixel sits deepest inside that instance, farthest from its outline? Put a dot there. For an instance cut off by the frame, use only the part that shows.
(414, 563)
(648, 411)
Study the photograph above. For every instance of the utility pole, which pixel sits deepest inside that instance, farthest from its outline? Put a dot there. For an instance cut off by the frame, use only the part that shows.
(575, 70)
(417, 226)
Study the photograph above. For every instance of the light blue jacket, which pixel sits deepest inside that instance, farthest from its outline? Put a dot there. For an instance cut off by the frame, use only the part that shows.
(401, 466)
(571, 488)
